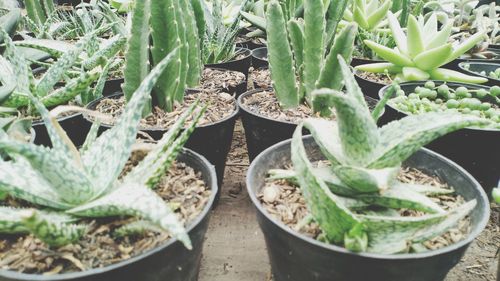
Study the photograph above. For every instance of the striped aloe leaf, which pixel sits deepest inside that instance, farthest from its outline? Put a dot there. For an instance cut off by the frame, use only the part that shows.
(105, 160)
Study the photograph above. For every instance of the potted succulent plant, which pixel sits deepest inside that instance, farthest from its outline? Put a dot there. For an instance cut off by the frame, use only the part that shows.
(64, 197)
(353, 202)
(418, 56)
(225, 61)
(302, 57)
(482, 161)
(213, 135)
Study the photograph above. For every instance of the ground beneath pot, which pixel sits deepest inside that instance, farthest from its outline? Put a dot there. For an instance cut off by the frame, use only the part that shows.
(235, 249)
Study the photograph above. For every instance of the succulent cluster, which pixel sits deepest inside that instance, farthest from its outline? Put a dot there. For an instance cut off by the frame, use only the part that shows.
(432, 98)
(369, 15)
(364, 163)
(303, 53)
(64, 185)
(421, 51)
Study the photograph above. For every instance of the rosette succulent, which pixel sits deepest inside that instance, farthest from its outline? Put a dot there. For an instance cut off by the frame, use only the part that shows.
(355, 200)
(65, 185)
(421, 51)
(368, 14)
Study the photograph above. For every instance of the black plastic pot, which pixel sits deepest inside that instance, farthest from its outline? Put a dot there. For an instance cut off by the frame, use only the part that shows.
(369, 88)
(112, 86)
(75, 126)
(213, 141)
(296, 257)
(236, 90)
(359, 61)
(241, 65)
(476, 67)
(453, 65)
(259, 57)
(170, 261)
(477, 150)
(262, 132)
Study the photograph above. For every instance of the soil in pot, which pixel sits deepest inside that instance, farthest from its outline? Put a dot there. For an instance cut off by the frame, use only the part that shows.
(371, 83)
(223, 80)
(266, 123)
(261, 78)
(182, 187)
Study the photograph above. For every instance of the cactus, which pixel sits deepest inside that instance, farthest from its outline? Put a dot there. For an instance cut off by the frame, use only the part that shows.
(169, 24)
(39, 10)
(302, 54)
(364, 164)
(421, 52)
(71, 185)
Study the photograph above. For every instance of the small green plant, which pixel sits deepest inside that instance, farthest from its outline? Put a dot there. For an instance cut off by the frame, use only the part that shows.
(303, 53)
(364, 163)
(496, 194)
(368, 14)
(219, 40)
(158, 27)
(421, 52)
(65, 185)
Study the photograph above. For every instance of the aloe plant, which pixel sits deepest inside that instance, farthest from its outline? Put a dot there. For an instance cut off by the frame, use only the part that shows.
(10, 21)
(303, 53)
(421, 52)
(39, 10)
(364, 163)
(218, 42)
(18, 80)
(65, 185)
(169, 24)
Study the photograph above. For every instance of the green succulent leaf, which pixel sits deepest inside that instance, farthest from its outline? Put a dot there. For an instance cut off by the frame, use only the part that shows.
(415, 37)
(379, 67)
(433, 58)
(455, 76)
(138, 201)
(327, 209)
(397, 32)
(364, 180)
(400, 139)
(314, 28)
(389, 54)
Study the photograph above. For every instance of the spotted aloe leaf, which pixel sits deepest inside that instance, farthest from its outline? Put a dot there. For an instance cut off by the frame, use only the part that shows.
(400, 197)
(366, 180)
(325, 134)
(107, 50)
(31, 187)
(332, 216)
(11, 219)
(54, 233)
(105, 160)
(356, 128)
(19, 64)
(139, 201)
(7, 79)
(400, 139)
(60, 67)
(352, 87)
(389, 235)
(56, 168)
(139, 227)
(54, 48)
(150, 170)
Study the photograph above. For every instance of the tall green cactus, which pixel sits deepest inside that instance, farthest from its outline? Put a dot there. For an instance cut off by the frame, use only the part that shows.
(302, 52)
(39, 10)
(364, 164)
(169, 24)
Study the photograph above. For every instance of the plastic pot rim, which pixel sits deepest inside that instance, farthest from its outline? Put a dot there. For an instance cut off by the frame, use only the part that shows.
(462, 67)
(481, 196)
(117, 94)
(420, 83)
(95, 271)
(254, 91)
